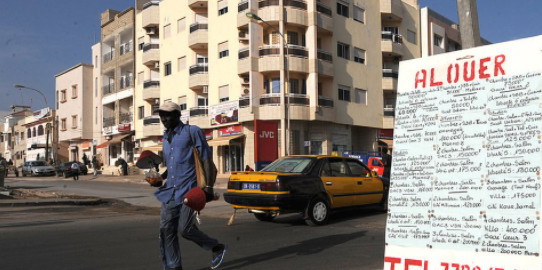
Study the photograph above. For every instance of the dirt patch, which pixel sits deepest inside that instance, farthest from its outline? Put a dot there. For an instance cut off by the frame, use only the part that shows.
(22, 193)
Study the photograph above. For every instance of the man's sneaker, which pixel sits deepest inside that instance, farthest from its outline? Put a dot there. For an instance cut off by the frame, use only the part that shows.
(218, 255)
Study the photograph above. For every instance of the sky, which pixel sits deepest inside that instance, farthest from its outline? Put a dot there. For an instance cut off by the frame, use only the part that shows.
(39, 39)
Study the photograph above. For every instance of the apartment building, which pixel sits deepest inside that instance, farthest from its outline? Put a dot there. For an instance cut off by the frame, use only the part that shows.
(12, 128)
(74, 109)
(97, 111)
(117, 85)
(228, 73)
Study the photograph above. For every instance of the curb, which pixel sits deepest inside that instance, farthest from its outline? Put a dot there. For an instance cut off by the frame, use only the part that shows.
(47, 202)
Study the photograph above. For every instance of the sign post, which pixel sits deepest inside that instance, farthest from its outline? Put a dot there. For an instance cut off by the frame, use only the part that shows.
(465, 179)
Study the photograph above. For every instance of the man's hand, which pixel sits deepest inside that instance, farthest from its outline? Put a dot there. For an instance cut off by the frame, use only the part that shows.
(209, 194)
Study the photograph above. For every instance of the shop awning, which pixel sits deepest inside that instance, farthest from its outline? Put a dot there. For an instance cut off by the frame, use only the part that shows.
(220, 141)
(112, 141)
(388, 142)
(154, 148)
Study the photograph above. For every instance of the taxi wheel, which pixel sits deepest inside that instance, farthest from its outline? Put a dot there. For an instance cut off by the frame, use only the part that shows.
(264, 216)
(317, 212)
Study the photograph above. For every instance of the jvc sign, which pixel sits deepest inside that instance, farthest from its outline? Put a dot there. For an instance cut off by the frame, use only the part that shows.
(266, 145)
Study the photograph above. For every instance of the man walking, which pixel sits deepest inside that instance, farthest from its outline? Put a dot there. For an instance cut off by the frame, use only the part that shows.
(179, 140)
(75, 170)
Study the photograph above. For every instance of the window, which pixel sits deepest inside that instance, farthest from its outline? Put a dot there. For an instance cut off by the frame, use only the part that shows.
(140, 43)
(167, 31)
(224, 93)
(34, 132)
(181, 25)
(167, 69)
(63, 95)
(222, 7)
(181, 63)
(437, 40)
(28, 133)
(337, 167)
(40, 130)
(359, 14)
(202, 101)
(182, 103)
(141, 112)
(274, 84)
(155, 107)
(140, 78)
(74, 121)
(96, 86)
(293, 88)
(411, 36)
(63, 125)
(342, 8)
(357, 169)
(344, 93)
(343, 50)
(360, 96)
(359, 55)
(74, 91)
(201, 60)
(223, 50)
(293, 38)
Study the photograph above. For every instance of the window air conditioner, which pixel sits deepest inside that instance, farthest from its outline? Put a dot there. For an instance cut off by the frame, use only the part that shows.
(150, 31)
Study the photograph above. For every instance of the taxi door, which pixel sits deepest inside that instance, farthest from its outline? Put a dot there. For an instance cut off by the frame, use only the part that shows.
(369, 188)
(339, 185)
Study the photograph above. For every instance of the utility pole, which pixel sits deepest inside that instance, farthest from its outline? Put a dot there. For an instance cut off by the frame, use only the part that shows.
(469, 28)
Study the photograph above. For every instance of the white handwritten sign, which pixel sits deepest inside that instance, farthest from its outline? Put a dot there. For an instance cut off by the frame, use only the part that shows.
(465, 180)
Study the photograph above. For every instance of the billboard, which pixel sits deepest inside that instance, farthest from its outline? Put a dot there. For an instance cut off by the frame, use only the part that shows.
(267, 139)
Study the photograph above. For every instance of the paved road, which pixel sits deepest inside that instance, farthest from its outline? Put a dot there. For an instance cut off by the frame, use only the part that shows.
(120, 236)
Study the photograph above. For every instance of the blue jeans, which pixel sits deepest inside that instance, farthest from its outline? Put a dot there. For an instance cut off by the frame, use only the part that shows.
(172, 219)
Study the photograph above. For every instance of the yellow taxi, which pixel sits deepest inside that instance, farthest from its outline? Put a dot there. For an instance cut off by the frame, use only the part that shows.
(309, 184)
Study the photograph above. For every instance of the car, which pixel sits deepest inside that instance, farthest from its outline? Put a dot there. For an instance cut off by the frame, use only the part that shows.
(65, 169)
(311, 184)
(37, 168)
(375, 164)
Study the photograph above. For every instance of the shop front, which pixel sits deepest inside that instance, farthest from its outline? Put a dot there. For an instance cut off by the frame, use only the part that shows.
(229, 147)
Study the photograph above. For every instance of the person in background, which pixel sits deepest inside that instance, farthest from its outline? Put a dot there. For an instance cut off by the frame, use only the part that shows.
(386, 159)
(75, 170)
(124, 165)
(95, 165)
(179, 140)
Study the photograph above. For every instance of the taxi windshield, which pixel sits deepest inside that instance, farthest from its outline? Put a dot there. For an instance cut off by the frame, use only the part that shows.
(289, 164)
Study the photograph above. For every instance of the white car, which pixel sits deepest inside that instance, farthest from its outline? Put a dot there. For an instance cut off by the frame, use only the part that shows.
(37, 167)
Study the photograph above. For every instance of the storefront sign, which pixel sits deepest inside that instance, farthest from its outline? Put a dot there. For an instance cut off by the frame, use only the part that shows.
(267, 140)
(124, 127)
(465, 178)
(231, 130)
(385, 134)
(224, 113)
(85, 144)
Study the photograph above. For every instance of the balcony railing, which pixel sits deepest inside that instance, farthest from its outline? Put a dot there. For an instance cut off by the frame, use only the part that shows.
(126, 47)
(243, 5)
(108, 89)
(198, 111)
(198, 69)
(390, 73)
(324, 55)
(293, 50)
(126, 118)
(198, 26)
(150, 46)
(325, 101)
(389, 111)
(287, 3)
(151, 83)
(150, 4)
(244, 102)
(244, 53)
(298, 99)
(109, 121)
(323, 9)
(126, 82)
(393, 37)
(270, 99)
(151, 120)
(108, 56)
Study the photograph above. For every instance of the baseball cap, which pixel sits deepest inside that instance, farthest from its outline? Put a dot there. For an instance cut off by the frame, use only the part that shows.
(169, 106)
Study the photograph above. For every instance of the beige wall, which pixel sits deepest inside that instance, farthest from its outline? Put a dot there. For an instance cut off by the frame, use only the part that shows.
(97, 94)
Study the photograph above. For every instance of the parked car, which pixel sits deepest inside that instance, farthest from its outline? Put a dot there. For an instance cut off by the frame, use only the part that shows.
(307, 184)
(65, 169)
(375, 164)
(37, 168)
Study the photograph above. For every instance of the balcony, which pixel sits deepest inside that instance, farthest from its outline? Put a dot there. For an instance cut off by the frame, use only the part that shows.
(126, 82)
(198, 37)
(108, 56)
(325, 102)
(126, 47)
(391, 10)
(150, 15)
(152, 126)
(245, 62)
(392, 44)
(151, 89)
(270, 59)
(199, 76)
(389, 79)
(151, 54)
(270, 99)
(108, 89)
(242, 9)
(324, 19)
(198, 4)
(244, 101)
(126, 118)
(295, 10)
(198, 111)
(389, 111)
(325, 63)
(108, 121)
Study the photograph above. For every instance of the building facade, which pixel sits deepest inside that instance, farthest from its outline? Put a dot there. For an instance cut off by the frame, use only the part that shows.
(229, 73)
(117, 85)
(74, 110)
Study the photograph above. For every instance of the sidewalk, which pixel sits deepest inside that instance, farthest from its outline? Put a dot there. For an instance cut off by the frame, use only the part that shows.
(221, 182)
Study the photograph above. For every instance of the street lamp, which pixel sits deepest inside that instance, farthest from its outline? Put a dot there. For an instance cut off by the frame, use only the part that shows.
(285, 95)
(19, 86)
